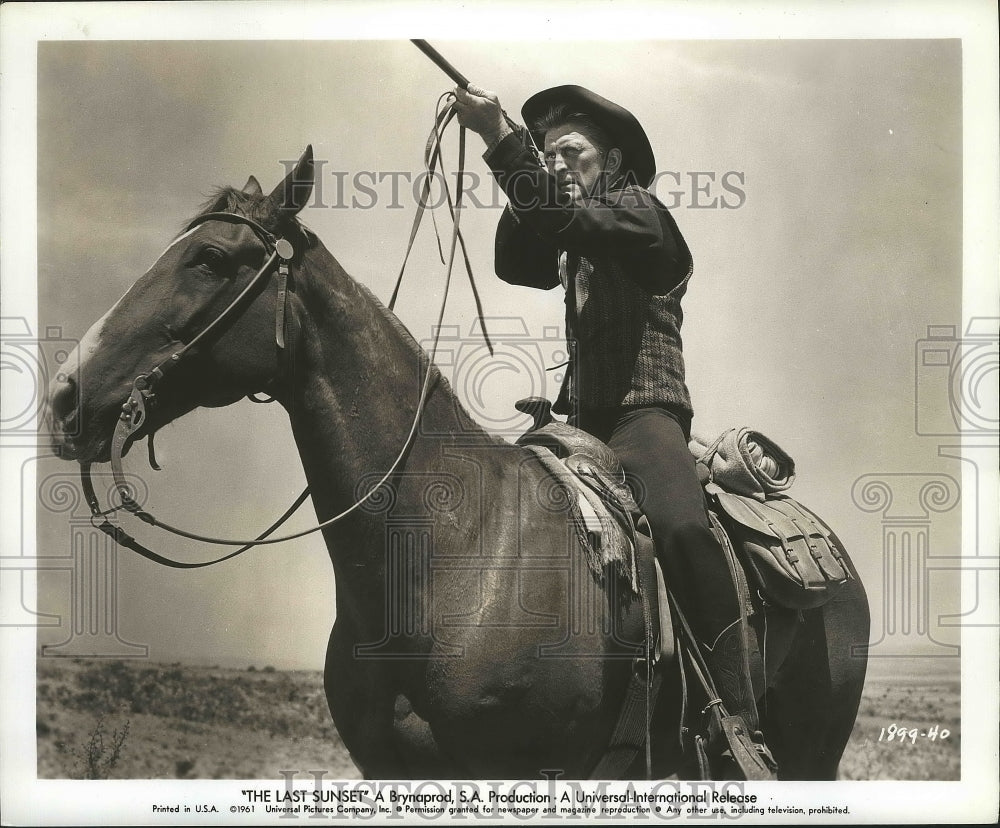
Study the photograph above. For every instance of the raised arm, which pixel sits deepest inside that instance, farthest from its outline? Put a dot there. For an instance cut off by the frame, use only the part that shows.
(627, 222)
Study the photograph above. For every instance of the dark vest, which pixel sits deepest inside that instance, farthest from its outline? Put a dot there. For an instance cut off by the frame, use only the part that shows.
(624, 343)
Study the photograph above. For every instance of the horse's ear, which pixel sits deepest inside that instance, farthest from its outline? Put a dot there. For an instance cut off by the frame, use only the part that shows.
(252, 187)
(292, 194)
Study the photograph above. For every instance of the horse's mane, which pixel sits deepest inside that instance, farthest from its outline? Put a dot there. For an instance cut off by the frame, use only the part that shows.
(255, 207)
(393, 321)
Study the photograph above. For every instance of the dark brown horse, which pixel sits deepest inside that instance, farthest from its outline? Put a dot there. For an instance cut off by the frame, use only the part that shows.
(469, 641)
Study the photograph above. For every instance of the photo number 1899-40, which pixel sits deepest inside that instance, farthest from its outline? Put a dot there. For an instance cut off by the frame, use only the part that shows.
(894, 732)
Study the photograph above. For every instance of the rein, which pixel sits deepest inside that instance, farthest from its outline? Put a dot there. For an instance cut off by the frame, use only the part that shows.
(280, 251)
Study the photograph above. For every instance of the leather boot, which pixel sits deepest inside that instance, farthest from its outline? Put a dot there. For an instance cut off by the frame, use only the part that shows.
(736, 737)
(730, 669)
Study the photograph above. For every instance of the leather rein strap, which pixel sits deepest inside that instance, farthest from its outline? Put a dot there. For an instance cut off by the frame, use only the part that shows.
(142, 396)
(121, 537)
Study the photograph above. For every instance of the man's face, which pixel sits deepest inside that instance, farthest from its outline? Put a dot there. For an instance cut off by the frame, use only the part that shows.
(573, 159)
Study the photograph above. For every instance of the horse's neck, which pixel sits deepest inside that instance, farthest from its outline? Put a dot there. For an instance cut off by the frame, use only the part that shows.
(352, 398)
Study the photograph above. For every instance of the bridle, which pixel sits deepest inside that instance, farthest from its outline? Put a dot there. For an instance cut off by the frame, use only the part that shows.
(133, 415)
(142, 396)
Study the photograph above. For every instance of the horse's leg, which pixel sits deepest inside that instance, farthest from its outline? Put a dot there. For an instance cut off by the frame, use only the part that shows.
(810, 708)
(363, 708)
(387, 739)
(416, 746)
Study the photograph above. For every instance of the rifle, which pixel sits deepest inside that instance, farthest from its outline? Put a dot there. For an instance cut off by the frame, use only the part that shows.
(462, 82)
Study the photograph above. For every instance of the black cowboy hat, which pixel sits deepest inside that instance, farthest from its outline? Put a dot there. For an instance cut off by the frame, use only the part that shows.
(626, 132)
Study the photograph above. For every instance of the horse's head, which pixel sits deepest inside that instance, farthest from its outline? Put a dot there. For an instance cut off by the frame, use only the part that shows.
(191, 284)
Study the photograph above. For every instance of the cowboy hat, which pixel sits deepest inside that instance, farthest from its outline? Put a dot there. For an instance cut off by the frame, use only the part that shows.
(625, 131)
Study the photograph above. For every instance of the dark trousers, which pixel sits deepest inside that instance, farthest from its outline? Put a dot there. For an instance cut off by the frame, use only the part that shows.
(653, 447)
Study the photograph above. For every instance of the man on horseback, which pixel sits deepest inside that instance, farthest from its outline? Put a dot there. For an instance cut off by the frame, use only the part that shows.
(587, 221)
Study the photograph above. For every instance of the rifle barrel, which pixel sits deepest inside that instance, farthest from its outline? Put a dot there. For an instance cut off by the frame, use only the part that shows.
(461, 81)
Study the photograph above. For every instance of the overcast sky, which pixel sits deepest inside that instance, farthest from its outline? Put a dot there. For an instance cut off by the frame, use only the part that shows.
(836, 243)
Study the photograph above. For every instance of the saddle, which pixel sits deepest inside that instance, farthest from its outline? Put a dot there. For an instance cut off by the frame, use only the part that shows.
(610, 525)
(612, 530)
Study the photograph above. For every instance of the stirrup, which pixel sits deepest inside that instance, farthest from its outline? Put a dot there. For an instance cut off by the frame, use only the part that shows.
(730, 738)
(751, 756)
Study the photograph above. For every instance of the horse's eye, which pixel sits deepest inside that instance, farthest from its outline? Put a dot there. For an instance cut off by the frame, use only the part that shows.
(211, 257)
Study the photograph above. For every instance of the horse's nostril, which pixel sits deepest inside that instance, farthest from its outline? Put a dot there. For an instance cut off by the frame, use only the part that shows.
(64, 399)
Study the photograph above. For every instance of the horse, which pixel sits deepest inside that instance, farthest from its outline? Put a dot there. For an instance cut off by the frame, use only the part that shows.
(458, 649)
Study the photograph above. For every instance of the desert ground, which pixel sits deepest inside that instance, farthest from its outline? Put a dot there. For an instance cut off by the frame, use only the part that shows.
(143, 720)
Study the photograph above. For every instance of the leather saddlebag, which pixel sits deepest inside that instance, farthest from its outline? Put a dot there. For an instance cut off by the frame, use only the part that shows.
(795, 559)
